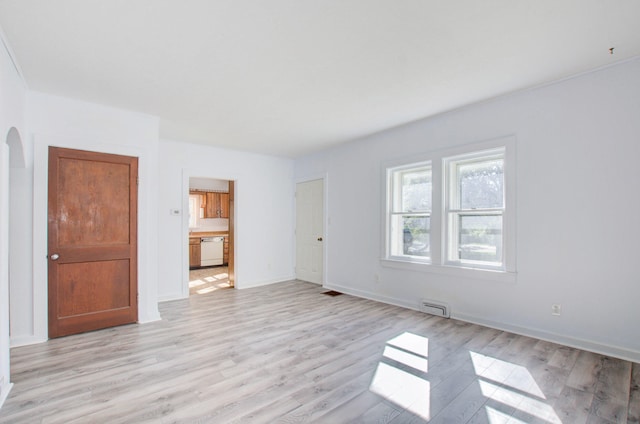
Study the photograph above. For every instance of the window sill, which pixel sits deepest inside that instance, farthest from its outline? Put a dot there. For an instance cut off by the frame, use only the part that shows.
(453, 271)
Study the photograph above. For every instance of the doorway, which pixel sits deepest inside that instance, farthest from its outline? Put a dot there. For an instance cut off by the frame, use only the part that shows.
(310, 231)
(211, 235)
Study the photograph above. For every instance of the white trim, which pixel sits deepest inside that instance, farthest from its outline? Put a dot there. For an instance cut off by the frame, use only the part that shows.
(438, 231)
(26, 341)
(583, 344)
(451, 208)
(5, 356)
(282, 279)
(4, 392)
(452, 271)
(588, 345)
(12, 57)
(171, 297)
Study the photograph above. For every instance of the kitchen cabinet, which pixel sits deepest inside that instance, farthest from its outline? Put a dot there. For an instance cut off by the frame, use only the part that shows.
(223, 205)
(225, 258)
(194, 252)
(216, 205)
(210, 208)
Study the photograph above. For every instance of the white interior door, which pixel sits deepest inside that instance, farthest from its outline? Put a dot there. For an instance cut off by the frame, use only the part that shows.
(310, 231)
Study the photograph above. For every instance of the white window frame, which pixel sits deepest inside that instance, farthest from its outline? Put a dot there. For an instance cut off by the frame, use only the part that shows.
(439, 234)
(395, 198)
(452, 210)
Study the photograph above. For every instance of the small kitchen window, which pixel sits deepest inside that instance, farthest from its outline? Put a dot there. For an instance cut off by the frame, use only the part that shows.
(194, 210)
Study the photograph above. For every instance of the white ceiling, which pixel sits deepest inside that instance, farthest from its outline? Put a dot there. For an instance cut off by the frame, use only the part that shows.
(288, 77)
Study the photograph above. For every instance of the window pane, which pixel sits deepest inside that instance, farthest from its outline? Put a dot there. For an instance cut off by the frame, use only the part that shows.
(416, 190)
(481, 184)
(412, 235)
(480, 238)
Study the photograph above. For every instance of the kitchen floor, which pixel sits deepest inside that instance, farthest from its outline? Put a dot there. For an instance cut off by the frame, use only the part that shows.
(206, 280)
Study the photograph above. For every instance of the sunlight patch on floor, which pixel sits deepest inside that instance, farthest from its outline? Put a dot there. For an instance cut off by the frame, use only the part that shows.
(213, 288)
(413, 343)
(402, 388)
(414, 361)
(499, 371)
(499, 382)
(511, 385)
(497, 417)
(519, 401)
(196, 283)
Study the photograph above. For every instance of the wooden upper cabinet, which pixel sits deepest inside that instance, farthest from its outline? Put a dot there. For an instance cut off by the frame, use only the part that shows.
(211, 207)
(216, 205)
(223, 205)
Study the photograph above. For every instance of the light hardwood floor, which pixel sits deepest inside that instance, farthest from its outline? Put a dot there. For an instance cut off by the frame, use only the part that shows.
(209, 279)
(286, 353)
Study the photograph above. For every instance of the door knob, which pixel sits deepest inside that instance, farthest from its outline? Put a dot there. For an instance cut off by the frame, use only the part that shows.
(319, 238)
(55, 257)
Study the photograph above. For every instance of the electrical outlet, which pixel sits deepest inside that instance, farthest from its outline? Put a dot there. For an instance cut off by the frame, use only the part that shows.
(376, 276)
(556, 308)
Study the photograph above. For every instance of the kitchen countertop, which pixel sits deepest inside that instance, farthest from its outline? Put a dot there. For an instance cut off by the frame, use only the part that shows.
(198, 234)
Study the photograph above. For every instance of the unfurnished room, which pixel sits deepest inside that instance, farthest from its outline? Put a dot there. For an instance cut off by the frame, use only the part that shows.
(361, 211)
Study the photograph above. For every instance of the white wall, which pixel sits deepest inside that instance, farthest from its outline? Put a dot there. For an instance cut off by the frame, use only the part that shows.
(56, 121)
(264, 213)
(14, 162)
(578, 231)
(208, 184)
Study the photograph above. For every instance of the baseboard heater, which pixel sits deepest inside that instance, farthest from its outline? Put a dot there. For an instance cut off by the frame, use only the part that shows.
(435, 308)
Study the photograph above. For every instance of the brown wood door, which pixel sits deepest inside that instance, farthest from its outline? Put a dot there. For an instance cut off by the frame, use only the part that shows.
(92, 241)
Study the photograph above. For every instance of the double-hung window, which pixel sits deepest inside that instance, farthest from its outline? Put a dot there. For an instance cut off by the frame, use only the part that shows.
(474, 209)
(410, 212)
(453, 212)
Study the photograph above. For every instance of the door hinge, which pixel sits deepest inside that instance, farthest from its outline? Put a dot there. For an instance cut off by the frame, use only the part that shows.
(137, 181)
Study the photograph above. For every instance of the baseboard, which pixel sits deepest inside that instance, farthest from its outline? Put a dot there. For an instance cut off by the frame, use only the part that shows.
(251, 284)
(152, 318)
(372, 296)
(26, 341)
(4, 392)
(172, 296)
(591, 346)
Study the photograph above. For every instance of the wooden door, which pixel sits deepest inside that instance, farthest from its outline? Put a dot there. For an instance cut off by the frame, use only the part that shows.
(92, 241)
(309, 231)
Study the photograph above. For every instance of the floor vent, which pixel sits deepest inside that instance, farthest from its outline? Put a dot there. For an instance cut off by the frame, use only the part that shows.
(434, 308)
(332, 293)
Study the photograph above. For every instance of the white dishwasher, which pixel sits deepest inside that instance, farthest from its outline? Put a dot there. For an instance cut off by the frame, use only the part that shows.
(211, 251)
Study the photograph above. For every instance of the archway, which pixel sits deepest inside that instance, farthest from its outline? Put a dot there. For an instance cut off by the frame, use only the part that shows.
(12, 157)
(20, 199)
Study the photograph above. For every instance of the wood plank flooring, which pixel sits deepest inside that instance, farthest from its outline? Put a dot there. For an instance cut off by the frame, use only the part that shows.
(209, 279)
(285, 353)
